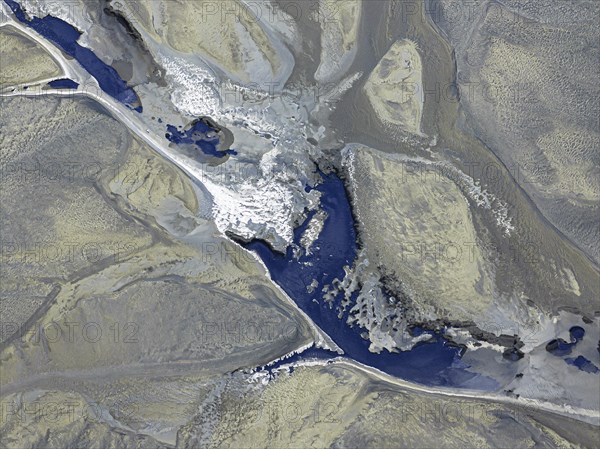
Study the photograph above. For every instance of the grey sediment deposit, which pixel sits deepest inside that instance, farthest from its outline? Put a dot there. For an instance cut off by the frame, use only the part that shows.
(529, 83)
(543, 256)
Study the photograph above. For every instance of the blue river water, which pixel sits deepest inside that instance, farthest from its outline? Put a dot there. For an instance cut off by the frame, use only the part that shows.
(200, 134)
(436, 362)
(560, 348)
(65, 36)
(583, 364)
(63, 84)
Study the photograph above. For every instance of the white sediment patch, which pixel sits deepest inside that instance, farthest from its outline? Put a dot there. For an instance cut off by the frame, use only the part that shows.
(300, 350)
(286, 368)
(260, 203)
(261, 375)
(193, 86)
(312, 232)
(340, 88)
(238, 210)
(314, 362)
(485, 345)
(382, 318)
